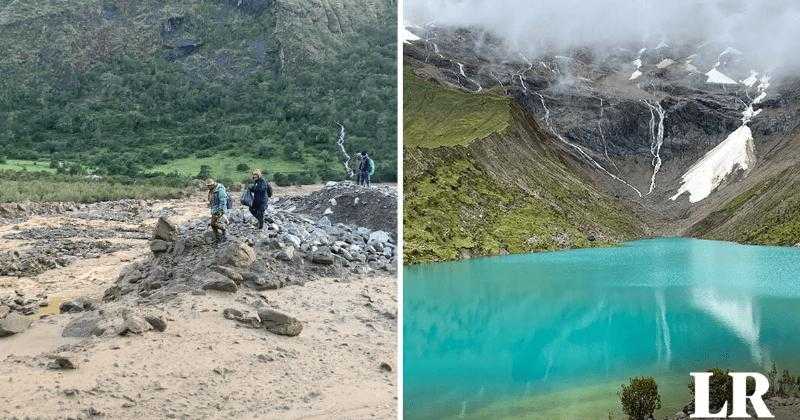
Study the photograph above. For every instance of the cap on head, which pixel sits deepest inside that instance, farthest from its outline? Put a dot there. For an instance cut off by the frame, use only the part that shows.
(210, 182)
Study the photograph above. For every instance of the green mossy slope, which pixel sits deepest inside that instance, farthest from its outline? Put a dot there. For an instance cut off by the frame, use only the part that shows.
(767, 214)
(502, 188)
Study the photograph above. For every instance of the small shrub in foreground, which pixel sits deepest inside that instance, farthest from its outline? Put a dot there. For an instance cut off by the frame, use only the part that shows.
(640, 398)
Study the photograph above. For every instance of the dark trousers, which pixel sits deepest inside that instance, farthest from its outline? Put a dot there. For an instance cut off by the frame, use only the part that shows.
(363, 178)
(258, 213)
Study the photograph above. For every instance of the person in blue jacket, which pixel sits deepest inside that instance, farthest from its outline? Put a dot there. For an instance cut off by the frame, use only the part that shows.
(261, 191)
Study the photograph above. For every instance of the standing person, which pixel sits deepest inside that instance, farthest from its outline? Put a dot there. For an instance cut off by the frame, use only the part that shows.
(261, 193)
(218, 202)
(365, 169)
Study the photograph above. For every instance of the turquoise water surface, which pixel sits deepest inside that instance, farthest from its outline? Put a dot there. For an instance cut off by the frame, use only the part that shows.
(553, 335)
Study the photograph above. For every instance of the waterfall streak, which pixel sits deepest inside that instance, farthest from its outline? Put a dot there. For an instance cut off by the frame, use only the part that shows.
(346, 157)
(656, 139)
(580, 149)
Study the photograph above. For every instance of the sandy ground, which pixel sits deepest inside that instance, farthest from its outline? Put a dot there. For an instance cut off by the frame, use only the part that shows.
(205, 366)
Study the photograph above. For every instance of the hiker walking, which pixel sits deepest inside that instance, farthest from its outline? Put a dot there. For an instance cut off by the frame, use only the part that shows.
(218, 202)
(261, 191)
(365, 169)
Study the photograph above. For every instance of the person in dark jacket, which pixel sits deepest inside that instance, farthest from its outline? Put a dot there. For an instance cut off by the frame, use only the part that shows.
(366, 168)
(261, 193)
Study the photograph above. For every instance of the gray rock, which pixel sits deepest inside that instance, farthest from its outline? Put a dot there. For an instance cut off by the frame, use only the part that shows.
(62, 363)
(218, 282)
(180, 247)
(13, 323)
(236, 254)
(245, 317)
(286, 254)
(135, 324)
(279, 323)
(165, 230)
(4, 310)
(158, 246)
(229, 273)
(322, 256)
(158, 323)
(324, 222)
(378, 237)
(294, 240)
(77, 305)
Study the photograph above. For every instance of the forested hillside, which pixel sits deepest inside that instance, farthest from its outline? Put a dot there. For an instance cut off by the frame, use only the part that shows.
(136, 88)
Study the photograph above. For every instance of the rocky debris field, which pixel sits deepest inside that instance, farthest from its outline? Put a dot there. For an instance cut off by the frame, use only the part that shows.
(373, 207)
(338, 280)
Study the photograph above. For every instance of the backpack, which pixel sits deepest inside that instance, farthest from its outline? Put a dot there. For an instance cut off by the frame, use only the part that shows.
(229, 203)
(269, 190)
(247, 198)
(371, 166)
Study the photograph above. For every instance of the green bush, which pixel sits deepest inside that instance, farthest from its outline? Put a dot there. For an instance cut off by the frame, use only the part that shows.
(640, 398)
(242, 167)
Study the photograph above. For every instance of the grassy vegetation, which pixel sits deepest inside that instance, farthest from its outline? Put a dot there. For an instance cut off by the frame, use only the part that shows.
(767, 214)
(436, 116)
(18, 187)
(508, 192)
(25, 165)
(103, 85)
(223, 165)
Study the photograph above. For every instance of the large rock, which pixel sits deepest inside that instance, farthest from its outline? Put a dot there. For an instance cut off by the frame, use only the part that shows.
(4, 310)
(135, 324)
(229, 273)
(379, 237)
(279, 323)
(165, 230)
(77, 305)
(159, 246)
(236, 254)
(218, 282)
(13, 323)
(322, 256)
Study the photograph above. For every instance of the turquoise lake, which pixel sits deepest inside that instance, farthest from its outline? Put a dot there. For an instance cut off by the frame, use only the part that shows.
(553, 335)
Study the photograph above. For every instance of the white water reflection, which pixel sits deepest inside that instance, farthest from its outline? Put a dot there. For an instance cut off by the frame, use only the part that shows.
(735, 311)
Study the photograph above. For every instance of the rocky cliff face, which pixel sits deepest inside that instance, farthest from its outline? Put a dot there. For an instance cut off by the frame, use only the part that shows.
(674, 132)
(209, 31)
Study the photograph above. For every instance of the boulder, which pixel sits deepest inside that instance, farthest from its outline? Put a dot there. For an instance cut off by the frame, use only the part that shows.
(158, 323)
(379, 237)
(4, 310)
(286, 254)
(62, 363)
(134, 324)
(322, 256)
(294, 240)
(218, 282)
(165, 230)
(245, 317)
(236, 254)
(158, 246)
(76, 305)
(279, 323)
(13, 323)
(229, 273)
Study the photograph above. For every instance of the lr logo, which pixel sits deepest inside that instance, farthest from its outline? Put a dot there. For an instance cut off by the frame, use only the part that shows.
(740, 396)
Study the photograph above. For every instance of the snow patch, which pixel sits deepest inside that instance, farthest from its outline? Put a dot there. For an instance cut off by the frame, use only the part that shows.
(636, 75)
(750, 81)
(409, 36)
(665, 63)
(736, 152)
(717, 77)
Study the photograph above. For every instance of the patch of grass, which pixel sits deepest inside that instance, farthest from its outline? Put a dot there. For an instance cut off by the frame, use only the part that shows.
(81, 191)
(437, 116)
(225, 166)
(26, 165)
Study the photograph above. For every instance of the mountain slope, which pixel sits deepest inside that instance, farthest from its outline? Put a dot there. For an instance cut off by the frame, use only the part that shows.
(124, 87)
(491, 182)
